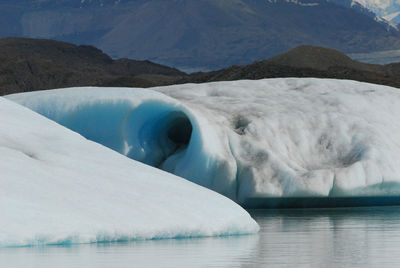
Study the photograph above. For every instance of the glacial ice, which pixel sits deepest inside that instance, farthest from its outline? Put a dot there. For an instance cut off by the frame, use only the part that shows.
(247, 139)
(56, 187)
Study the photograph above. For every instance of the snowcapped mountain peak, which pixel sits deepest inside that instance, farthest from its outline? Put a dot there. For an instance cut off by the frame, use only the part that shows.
(377, 4)
(390, 24)
(297, 2)
(379, 10)
(99, 3)
(388, 10)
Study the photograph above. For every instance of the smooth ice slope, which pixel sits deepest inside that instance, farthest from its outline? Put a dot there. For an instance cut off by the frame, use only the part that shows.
(267, 138)
(56, 187)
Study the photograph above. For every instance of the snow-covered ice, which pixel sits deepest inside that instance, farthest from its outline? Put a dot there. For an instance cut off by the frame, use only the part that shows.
(267, 138)
(56, 187)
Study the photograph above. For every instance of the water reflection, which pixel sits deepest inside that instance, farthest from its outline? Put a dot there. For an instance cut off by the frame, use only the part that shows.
(201, 252)
(363, 237)
(356, 237)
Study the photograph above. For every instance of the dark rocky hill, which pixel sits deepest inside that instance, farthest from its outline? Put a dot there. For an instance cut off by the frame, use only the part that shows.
(308, 61)
(197, 34)
(34, 64)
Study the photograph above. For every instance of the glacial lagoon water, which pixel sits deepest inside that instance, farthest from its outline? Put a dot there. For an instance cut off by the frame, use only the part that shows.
(345, 237)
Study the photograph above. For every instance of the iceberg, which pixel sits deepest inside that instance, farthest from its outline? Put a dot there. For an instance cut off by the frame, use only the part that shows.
(271, 138)
(56, 187)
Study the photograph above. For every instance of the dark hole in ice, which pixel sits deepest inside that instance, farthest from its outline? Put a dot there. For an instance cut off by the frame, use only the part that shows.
(240, 124)
(180, 131)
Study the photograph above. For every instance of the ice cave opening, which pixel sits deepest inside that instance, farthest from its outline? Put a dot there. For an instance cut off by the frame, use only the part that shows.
(157, 134)
(180, 130)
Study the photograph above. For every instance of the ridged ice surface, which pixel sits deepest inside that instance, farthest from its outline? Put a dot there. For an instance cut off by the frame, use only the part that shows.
(267, 138)
(56, 187)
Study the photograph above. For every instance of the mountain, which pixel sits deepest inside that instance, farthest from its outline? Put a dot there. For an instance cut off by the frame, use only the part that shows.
(308, 61)
(361, 7)
(197, 34)
(387, 9)
(384, 11)
(34, 64)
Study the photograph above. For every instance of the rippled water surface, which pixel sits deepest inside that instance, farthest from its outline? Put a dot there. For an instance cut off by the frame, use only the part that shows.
(362, 237)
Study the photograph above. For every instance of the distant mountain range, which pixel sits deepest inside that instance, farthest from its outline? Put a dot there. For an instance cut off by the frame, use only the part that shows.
(32, 64)
(199, 34)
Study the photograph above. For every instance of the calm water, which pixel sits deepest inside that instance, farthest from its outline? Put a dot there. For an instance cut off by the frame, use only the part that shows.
(364, 237)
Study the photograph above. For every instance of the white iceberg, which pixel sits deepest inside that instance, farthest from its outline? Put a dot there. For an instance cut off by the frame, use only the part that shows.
(247, 139)
(56, 187)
